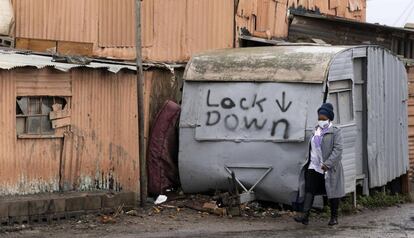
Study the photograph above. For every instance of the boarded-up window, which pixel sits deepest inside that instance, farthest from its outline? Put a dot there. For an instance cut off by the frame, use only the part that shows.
(340, 95)
(33, 114)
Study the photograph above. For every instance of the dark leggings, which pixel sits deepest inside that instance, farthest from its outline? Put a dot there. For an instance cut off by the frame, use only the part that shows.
(315, 185)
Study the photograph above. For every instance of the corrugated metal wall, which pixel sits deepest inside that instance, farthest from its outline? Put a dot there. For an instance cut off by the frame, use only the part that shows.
(341, 69)
(100, 151)
(26, 165)
(387, 123)
(172, 30)
(267, 18)
(410, 71)
(103, 138)
(349, 134)
(65, 20)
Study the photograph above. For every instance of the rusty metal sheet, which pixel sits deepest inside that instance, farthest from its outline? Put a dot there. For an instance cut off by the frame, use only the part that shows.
(97, 151)
(26, 165)
(191, 27)
(66, 20)
(268, 19)
(101, 150)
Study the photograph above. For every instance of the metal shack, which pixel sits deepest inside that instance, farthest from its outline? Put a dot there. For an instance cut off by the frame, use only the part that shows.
(66, 126)
(251, 110)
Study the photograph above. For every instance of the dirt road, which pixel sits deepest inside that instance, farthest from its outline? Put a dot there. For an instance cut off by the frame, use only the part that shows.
(386, 222)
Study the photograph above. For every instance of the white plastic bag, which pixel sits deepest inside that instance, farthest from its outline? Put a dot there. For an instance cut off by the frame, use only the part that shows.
(6, 17)
(160, 199)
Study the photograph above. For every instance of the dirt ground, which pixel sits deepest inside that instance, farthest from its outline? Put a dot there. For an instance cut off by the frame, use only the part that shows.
(177, 220)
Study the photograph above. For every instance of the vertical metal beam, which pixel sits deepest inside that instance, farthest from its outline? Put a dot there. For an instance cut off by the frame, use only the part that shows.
(140, 104)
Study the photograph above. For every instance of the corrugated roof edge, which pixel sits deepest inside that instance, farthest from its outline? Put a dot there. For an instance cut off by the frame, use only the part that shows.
(11, 58)
(264, 64)
(22, 58)
(349, 21)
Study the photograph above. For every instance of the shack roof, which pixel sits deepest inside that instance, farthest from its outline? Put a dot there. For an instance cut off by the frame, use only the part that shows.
(292, 63)
(10, 59)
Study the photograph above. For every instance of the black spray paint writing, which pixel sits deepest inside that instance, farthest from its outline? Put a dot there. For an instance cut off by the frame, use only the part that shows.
(283, 107)
(233, 121)
(228, 103)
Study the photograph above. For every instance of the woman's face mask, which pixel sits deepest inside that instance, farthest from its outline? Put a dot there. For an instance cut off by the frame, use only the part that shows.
(323, 123)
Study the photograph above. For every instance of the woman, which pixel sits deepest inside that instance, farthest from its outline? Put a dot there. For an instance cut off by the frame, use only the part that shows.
(323, 173)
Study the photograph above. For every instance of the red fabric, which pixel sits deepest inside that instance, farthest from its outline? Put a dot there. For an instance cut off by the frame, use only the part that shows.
(162, 162)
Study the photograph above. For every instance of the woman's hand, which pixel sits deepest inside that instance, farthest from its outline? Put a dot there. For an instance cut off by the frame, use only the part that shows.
(324, 168)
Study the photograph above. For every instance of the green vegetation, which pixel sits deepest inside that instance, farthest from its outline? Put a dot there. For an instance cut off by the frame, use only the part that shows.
(375, 200)
(381, 199)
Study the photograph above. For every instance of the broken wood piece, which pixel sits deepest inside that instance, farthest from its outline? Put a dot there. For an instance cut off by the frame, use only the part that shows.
(213, 208)
(57, 107)
(168, 206)
(60, 122)
(59, 114)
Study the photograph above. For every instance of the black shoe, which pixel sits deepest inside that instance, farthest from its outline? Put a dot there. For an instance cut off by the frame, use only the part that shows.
(302, 219)
(333, 221)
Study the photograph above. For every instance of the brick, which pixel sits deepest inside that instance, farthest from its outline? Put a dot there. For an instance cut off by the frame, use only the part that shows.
(19, 209)
(110, 201)
(39, 207)
(57, 205)
(4, 209)
(74, 204)
(93, 202)
(128, 199)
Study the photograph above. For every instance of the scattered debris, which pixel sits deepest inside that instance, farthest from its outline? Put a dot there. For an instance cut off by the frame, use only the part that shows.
(132, 213)
(160, 199)
(109, 219)
(104, 219)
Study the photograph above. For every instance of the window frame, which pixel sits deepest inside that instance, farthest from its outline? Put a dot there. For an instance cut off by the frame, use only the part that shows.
(335, 92)
(42, 133)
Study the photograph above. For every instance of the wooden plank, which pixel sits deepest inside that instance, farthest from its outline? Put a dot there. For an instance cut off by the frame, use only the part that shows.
(59, 114)
(22, 43)
(61, 122)
(28, 136)
(411, 110)
(75, 48)
(405, 184)
(36, 45)
(44, 92)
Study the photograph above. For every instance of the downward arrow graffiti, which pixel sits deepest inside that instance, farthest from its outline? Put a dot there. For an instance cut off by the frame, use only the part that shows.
(283, 107)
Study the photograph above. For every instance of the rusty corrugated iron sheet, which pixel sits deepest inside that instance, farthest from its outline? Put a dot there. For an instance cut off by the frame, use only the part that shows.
(65, 20)
(172, 30)
(101, 150)
(26, 165)
(116, 23)
(269, 19)
(305, 27)
(98, 151)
